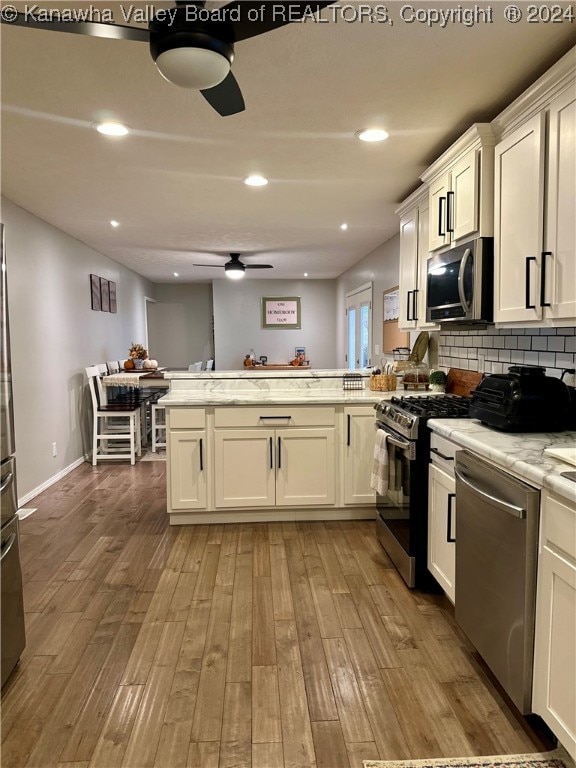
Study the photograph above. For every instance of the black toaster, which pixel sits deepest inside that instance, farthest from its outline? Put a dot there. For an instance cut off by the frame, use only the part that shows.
(523, 400)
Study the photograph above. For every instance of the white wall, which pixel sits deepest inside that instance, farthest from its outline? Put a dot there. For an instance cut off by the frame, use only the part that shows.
(237, 321)
(55, 335)
(180, 324)
(381, 268)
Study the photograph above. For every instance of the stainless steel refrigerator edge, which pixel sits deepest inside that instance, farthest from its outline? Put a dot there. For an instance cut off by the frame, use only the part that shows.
(496, 559)
(12, 608)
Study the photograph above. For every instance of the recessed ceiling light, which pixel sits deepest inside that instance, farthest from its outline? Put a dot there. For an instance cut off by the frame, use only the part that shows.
(256, 181)
(111, 129)
(176, 274)
(114, 223)
(371, 134)
(305, 274)
(344, 226)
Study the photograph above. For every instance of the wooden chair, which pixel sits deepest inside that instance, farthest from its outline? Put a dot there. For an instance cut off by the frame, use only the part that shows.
(158, 426)
(113, 423)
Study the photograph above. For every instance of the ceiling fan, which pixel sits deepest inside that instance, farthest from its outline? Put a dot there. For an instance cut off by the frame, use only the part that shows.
(235, 268)
(192, 46)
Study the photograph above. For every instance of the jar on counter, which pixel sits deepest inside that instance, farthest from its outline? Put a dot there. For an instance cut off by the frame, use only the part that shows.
(416, 376)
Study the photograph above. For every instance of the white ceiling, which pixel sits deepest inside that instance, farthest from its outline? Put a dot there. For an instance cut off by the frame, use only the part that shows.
(175, 183)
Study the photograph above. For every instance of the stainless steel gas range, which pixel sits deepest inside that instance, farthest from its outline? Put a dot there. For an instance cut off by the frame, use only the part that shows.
(402, 520)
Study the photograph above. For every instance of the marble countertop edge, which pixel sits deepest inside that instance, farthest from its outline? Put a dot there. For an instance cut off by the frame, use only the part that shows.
(520, 453)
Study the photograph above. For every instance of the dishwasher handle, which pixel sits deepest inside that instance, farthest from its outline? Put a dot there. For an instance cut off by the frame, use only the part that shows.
(511, 509)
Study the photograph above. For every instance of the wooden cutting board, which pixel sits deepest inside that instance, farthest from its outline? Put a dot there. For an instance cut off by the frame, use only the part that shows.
(462, 382)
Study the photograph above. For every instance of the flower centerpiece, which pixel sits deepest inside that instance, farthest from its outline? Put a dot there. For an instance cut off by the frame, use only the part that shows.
(138, 354)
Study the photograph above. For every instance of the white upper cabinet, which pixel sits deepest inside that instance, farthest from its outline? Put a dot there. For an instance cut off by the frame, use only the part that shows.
(535, 200)
(460, 190)
(413, 260)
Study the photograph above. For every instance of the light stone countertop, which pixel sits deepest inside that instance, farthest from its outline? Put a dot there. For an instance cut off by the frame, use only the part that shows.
(520, 453)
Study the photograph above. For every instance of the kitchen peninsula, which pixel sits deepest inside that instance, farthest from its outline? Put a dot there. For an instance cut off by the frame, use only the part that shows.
(246, 446)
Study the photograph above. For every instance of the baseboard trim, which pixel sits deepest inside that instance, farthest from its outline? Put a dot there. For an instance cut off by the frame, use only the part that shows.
(54, 479)
(277, 514)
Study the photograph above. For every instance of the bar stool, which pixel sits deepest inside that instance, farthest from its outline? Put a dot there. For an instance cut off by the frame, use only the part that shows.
(158, 426)
(114, 423)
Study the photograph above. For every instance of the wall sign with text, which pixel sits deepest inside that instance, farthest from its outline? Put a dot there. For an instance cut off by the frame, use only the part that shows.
(281, 312)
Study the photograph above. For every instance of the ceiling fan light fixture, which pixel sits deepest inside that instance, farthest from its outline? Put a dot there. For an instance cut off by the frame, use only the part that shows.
(197, 68)
(372, 134)
(110, 128)
(234, 271)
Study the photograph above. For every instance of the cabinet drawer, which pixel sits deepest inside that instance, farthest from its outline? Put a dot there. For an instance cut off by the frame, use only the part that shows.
(187, 418)
(559, 524)
(442, 453)
(284, 416)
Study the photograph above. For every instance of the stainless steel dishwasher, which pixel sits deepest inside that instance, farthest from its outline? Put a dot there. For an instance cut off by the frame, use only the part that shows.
(496, 557)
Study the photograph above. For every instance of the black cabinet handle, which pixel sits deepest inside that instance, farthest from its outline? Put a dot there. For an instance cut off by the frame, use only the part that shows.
(527, 301)
(279, 453)
(441, 201)
(442, 456)
(449, 537)
(201, 455)
(408, 305)
(543, 302)
(264, 418)
(414, 294)
(271, 454)
(449, 212)
(348, 431)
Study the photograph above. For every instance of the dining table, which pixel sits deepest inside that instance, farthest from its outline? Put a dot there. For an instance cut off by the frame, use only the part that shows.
(137, 379)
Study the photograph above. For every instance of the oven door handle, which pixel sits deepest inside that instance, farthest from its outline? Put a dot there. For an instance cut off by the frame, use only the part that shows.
(393, 440)
(461, 294)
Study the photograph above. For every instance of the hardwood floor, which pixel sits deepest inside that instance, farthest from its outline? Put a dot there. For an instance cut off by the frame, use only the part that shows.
(268, 645)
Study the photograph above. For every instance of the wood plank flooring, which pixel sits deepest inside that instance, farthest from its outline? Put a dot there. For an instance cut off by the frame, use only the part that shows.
(279, 645)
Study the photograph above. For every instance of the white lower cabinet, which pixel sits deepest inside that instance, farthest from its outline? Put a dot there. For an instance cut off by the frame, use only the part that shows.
(554, 691)
(274, 467)
(442, 529)
(187, 475)
(358, 455)
(244, 473)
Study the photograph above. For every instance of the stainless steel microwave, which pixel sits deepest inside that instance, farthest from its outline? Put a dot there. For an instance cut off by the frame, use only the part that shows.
(460, 283)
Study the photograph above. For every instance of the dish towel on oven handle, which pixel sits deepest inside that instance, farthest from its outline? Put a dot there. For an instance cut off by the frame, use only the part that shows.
(379, 478)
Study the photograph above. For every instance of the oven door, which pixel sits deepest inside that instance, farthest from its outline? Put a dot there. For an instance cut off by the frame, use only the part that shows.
(394, 523)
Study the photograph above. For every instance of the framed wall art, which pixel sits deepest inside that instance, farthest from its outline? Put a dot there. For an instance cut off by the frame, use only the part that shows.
(281, 312)
(112, 296)
(105, 294)
(95, 292)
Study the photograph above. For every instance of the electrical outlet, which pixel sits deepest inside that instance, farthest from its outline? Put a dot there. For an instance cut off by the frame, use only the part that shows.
(54, 449)
(376, 349)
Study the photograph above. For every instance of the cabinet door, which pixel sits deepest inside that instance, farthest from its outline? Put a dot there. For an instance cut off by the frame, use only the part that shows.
(463, 202)
(442, 529)
(408, 269)
(554, 695)
(437, 199)
(244, 468)
(518, 222)
(305, 467)
(358, 455)
(187, 469)
(560, 264)
(423, 255)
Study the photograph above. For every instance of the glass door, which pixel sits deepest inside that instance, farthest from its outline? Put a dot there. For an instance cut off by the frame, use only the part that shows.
(359, 327)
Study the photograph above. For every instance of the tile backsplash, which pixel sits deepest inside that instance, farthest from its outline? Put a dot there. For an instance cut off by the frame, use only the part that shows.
(493, 350)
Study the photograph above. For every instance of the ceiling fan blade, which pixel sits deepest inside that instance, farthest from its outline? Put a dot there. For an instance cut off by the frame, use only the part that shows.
(218, 266)
(226, 97)
(259, 266)
(91, 28)
(268, 16)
